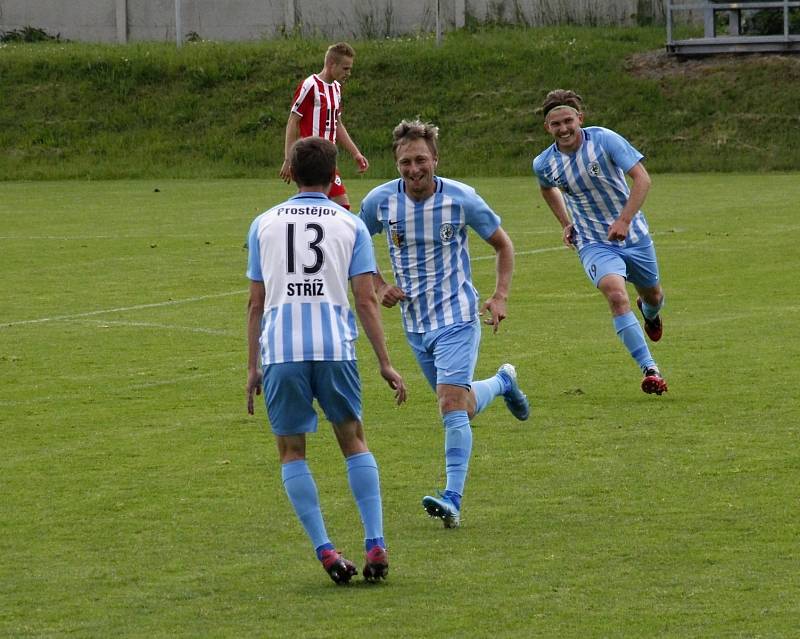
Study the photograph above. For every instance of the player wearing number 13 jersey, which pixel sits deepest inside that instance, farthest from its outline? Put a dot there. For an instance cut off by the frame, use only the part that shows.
(300, 336)
(305, 250)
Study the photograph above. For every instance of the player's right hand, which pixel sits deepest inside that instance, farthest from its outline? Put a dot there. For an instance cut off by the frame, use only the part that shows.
(569, 235)
(254, 379)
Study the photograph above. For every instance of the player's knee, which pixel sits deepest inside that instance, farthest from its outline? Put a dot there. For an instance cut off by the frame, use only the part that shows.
(618, 301)
(453, 402)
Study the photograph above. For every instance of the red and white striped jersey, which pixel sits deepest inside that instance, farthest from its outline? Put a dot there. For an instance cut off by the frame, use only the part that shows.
(318, 104)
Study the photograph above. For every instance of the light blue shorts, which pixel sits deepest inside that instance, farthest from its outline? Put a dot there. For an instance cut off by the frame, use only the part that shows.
(290, 389)
(636, 263)
(448, 355)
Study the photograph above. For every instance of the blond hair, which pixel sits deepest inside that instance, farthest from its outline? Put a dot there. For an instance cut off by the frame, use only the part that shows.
(338, 51)
(409, 130)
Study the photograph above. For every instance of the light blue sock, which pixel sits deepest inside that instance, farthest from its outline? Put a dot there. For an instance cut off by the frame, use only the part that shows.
(457, 449)
(362, 473)
(486, 390)
(302, 491)
(650, 311)
(630, 332)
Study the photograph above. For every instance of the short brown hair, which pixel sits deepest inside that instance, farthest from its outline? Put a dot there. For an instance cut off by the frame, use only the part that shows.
(313, 161)
(561, 97)
(409, 130)
(338, 51)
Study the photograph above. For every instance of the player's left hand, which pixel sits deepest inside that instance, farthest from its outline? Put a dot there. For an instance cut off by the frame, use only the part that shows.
(389, 295)
(395, 382)
(286, 172)
(363, 163)
(254, 379)
(618, 230)
(496, 306)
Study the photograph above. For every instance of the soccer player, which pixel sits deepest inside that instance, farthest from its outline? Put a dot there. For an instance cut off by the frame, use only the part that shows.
(426, 219)
(582, 179)
(316, 110)
(302, 331)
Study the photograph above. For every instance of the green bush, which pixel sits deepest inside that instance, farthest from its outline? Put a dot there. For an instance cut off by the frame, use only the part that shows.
(28, 34)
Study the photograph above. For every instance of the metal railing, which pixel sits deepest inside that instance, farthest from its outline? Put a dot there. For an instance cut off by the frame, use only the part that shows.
(734, 40)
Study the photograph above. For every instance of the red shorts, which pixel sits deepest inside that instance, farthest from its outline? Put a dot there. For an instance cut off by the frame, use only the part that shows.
(337, 188)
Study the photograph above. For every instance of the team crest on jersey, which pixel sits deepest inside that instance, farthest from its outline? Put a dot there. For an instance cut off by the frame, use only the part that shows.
(594, 169)
(337, 180)
(446, 232)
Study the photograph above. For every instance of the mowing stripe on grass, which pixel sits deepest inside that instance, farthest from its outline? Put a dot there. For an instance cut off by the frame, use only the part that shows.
(190, 300)
(123, 309)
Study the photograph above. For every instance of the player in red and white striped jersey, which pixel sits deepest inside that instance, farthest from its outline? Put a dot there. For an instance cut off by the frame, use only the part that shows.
(316, 110)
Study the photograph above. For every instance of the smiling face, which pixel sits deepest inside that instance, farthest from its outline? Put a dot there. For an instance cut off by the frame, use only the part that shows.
(564, 124)
(416, 163)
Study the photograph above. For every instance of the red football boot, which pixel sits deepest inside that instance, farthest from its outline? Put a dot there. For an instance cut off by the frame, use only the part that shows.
(339, 568)
(653, 327)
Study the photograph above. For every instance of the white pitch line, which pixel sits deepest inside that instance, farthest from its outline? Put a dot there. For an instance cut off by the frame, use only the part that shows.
(124, 309)
(170, 327)
(121, 309)
(518, 253)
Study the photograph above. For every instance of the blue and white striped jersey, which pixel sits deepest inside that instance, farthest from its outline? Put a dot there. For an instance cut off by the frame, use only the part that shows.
(592, 181)
(305, 251)
(429, 250)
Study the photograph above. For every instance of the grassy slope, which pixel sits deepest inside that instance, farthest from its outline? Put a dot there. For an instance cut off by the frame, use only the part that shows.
(219, 110)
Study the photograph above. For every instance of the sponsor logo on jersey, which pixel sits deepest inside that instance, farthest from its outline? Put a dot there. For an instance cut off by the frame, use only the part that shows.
(562, 184)
(316, 211)
(396, 234)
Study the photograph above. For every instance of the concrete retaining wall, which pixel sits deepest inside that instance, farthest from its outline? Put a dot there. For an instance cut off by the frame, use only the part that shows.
(136, 20)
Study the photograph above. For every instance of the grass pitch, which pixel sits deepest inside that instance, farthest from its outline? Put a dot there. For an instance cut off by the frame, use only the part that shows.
(139, 500)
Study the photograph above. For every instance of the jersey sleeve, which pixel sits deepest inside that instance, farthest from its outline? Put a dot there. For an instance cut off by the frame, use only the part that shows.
(369, 214)
(301, 97)
(538, 166)
(621, 152)
(478, 214)
(254, 254)
(363, 256)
